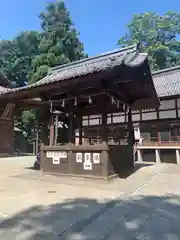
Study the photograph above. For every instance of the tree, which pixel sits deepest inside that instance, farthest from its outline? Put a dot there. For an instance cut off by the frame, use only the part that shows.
(27, 45)
(16, 56)
(27, 122)
(27, 57)
(158, 37)
(59, 43)
(8, 56)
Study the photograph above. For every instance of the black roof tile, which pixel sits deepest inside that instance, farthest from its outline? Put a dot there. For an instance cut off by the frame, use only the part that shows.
(167, 81)
(128, 56)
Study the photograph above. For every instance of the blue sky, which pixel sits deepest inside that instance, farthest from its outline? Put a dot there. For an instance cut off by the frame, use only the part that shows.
(100, 22)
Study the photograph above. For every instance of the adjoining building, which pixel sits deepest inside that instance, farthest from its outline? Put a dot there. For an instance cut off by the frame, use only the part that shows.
(158, 128)
(156, 125)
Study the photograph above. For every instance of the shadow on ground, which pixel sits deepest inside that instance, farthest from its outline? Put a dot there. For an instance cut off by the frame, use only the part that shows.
(139, 217)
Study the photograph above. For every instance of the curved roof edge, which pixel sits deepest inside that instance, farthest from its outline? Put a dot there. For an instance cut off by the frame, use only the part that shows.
(166, 70)
(128, 56)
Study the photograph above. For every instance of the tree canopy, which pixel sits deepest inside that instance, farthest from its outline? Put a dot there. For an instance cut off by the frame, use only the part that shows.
(59, 43)
(158, 36)
(28, 57)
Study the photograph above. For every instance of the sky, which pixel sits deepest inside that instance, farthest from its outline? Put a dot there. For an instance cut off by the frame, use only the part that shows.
(100, 22)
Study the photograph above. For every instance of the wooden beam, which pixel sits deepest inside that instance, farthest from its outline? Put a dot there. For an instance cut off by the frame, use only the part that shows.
(67, 85)
(51, 134)
(70, 128)
(130, 128)
(56, 130)
(104, 127)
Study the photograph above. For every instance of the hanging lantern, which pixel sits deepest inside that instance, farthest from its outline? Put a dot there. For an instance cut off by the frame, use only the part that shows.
(90, 100)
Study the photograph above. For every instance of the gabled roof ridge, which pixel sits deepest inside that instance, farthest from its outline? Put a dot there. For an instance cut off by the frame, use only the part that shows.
(89, 59)
(166, 70)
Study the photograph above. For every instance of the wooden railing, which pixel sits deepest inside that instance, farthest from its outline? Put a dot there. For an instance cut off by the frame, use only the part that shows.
(156, 141)
(151, 141)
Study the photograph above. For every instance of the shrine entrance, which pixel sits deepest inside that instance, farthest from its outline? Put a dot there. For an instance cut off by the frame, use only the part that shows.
(110, 83)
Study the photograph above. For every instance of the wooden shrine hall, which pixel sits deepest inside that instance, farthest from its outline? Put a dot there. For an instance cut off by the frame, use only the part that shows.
(117, 81)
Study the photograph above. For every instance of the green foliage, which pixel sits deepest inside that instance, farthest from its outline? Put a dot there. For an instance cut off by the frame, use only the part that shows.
(26, 121)
(27, 57)
(158, 36)
(16, 56)
(40, 73)
(59, 40)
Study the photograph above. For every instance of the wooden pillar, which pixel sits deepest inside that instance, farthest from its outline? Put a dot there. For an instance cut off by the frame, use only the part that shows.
(131, 141)
(79, 126)
(104, 128)
(157, 153)
(139, 156)
(34, 148)
(70, 128)
(51, 135)
(56, 130)
(44, 126)
(105, 141)
(177, 156)
(80, 130)
(37, 141)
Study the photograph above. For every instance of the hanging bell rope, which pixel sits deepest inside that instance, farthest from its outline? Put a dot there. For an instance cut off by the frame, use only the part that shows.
(75, 101)
(63, 103)
(113, 101)
(51, 107)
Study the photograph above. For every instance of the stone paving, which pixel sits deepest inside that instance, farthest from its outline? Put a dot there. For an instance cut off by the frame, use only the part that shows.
(144, 206)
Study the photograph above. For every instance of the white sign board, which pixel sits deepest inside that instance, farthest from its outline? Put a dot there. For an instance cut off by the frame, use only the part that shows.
(87, 166)
(96, 158)
(87, 157)
(79, 157)
(56, 154)
(49, 154)
(56, 160)
(63, 154)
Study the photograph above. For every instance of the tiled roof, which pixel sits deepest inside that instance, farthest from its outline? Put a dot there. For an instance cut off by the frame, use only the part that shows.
(4, 90)
(167, 81)
(127, 56)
